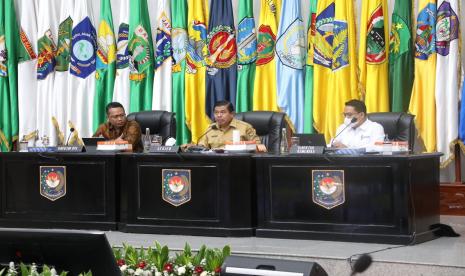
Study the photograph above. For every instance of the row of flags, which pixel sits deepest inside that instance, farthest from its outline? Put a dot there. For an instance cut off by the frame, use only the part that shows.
(195, 56)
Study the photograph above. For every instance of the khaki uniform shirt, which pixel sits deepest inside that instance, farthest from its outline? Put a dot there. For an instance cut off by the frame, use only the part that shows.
(130, 132)
(215, 137)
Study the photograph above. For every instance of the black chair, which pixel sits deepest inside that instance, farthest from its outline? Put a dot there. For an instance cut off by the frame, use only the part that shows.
(399, 126)
(159, 122)
(268, 125)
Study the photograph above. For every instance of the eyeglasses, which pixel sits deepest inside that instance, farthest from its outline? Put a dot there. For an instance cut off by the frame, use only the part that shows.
(349, 115)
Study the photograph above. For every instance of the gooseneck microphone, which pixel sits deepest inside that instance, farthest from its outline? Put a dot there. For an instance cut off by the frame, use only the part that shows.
(351, 122)
(71, 130)
(203, 135)
(361, 264)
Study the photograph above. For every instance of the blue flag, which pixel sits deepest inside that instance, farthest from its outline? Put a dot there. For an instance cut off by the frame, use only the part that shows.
(290, 50)
(222, 51)
(462, 115)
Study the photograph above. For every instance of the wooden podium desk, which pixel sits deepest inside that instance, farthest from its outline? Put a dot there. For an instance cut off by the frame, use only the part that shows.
(89, 200)
(388, 199)
(221, 194)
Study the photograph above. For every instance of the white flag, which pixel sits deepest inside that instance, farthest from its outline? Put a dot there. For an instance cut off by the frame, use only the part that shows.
(47, 25)
(62, 66)
(447, 83)
(27, 86)
(162, 80)
(81, 81)
(121, 90)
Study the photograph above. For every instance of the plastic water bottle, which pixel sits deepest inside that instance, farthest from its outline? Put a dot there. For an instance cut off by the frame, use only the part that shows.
(284, 146)
(147, 140)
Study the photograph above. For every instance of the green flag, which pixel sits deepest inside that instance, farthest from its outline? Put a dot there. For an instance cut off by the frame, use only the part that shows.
(141, 64)
(106, 64)
(246, 56)
(179, 43)
(401, 70)
(308, 99)
(9, 44)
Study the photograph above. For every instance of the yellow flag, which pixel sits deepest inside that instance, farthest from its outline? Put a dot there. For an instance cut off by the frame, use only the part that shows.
(373, 55)
(335, 64)
(196, 118)
(323, 55)
(422, 103)
(264, 97)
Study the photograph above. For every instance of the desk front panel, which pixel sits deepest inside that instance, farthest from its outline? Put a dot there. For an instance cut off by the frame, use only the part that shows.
(89, 200)
(220, 203)
(384, 198)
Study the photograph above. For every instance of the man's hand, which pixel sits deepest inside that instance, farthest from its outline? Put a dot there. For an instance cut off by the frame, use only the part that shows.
(338, 145)
(261, 148)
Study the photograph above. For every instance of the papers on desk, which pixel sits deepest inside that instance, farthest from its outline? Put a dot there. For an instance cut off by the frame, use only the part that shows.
(114, 146)
(243, 146)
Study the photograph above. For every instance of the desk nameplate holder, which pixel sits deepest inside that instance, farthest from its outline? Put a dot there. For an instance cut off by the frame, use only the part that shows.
(164, 149)
(306, 150)
(56, 149)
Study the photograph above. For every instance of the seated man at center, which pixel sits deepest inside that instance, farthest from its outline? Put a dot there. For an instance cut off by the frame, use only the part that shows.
(357, 131)
(221, 131)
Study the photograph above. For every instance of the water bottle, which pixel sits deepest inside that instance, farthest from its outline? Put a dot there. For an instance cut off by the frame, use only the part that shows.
(147, 140)
(284, 146)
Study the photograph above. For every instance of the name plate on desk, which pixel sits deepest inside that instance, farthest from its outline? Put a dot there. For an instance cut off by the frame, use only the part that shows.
(69, 149)
(306, 150)
(42, 149)
(164, 149)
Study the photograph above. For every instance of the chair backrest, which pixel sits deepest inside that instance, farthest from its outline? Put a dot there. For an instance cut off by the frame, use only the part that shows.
(399, 126)
(268, 125)
(158, 121)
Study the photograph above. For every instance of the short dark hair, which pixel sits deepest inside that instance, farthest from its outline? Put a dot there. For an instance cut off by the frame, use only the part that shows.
(228, 105)
(113, 105)
(358, 105)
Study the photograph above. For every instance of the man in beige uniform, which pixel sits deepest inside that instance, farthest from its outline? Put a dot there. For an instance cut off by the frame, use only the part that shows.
(221, 131)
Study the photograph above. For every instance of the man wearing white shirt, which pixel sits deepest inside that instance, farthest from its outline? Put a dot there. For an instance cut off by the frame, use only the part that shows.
(358, 133)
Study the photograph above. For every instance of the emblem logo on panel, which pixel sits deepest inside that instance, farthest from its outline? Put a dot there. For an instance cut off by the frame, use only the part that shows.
(52, 182)
(176, 186)
(328, 188)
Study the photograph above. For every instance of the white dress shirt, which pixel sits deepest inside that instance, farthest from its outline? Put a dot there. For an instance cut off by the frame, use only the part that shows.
(361, 137)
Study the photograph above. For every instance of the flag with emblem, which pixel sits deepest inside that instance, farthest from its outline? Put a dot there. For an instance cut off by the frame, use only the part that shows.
(447, 78)
(61, 75)
(322, 62)
(27, 87)
(121, 92)
(335, 61)
(162, 95)
(179, 44)
(401, 56)
(246, 56)
(344, 82)
(9, 54)
(82, 69)
(222, 50)
(106, 64)
(422, 102)
(308, 97)
(290, 51)
(265, 89)
(141, 63)
(196, 58)
(373, 55)
(46, 48)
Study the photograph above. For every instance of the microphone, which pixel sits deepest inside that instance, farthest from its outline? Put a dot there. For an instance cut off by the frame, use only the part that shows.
(361, 264)
(351, 122)
(69, 136)
(203, 135)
